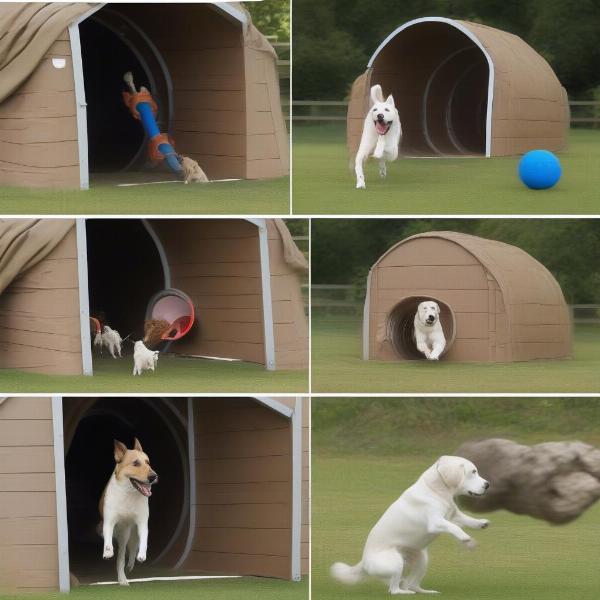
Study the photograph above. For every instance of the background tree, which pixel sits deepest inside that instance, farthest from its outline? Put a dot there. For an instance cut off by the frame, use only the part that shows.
(333, 39)
(343, 250)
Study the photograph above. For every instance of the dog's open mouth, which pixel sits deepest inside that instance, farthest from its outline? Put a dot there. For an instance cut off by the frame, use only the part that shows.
(142, 488)
(382, 127)
(475, 494)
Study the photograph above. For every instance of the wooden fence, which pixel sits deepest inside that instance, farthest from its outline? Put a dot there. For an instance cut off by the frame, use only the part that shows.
(346, 301)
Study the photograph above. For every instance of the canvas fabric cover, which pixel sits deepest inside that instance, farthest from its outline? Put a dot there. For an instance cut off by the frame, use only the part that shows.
(291, 253)
(530, 107)
(507, 305)
(28, 31)
(26, 242)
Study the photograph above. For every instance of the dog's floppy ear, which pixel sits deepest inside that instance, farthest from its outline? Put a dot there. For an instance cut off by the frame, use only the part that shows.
(451, 469)
(120, 449)
(376, 94)
(390, 101)
(137, 446)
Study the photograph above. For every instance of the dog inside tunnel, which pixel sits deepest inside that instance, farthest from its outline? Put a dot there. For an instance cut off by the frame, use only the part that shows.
(90, 426)
(124, 273)
(400, 326)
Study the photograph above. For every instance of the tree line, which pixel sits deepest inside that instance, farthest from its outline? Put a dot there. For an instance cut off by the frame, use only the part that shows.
(343, 250)
(333, 39)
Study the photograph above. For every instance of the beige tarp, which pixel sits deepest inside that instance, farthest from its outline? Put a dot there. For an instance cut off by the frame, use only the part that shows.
(28, 31)
(291, 254)
(25, 242)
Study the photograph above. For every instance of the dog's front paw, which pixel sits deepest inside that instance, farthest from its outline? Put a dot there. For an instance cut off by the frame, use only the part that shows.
(360, 184)
(123, 582)
(141, 557)
(484, 523)
(382, 172)
(108, 552)
(470, 544)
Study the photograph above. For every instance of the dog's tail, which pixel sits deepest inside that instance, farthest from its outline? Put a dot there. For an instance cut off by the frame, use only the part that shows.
(346, 574)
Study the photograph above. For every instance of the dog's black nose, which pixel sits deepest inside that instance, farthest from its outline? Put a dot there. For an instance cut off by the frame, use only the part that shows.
(380, 117)
(152, 478)
(486, 485)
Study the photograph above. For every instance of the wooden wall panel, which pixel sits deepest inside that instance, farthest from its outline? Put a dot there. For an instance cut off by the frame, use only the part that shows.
(28, 533)
(39, 315)
(38, 126)
(204, 53)
(217, 263)
(289, 318)
(243, 452)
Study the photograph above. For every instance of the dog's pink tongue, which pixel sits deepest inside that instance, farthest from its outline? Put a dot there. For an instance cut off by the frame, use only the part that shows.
(381, 128)
(146, 490)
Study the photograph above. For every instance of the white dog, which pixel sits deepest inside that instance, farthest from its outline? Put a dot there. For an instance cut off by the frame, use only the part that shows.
(111, 339)
(124, 507)
(143, 358)
(396, 548)
(428, 332)
(381, 135)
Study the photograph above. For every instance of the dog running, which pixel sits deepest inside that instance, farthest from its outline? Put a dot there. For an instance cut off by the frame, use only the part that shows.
(428, 332)
(396, 547)
(124, 507)
(380, 137)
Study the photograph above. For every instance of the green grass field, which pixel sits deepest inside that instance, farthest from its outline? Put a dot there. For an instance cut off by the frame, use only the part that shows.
(367, 451)
(337, 367)
(172, 375)
(245, 588)
(324, 183)
(235, 197)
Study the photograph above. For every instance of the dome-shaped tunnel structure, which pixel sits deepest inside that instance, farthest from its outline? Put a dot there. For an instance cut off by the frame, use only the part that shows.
(463, 89)
(497, 302)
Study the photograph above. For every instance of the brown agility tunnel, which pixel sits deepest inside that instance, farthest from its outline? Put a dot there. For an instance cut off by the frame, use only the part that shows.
(463, 89)
(212, 73)
(497, 302)
(232, 497)
(242, 275)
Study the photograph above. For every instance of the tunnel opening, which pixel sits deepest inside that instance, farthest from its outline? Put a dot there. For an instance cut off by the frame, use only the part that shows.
(124, 273)
(439, 78)
(90, 426)
(400, 326)
(110, 46)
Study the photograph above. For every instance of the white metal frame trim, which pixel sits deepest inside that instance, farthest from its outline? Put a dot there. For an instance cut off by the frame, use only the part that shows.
(64, 578)
(366, 317)
(84, 300)
(476, 41)
(80, 102)
(296, 566)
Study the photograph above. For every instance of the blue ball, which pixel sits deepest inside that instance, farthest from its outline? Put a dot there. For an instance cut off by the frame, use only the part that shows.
(539, 169)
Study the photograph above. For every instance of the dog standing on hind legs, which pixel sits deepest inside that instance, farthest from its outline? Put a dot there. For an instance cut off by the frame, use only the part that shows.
(124, 507)
(380, 137)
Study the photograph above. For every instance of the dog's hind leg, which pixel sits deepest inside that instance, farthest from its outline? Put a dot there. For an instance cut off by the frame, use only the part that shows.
(389, 565)
(382, 169)
(419, 564)
(122, 533)
(132, 548)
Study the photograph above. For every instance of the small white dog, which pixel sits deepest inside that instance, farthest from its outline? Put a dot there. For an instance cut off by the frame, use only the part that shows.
(396, 547)
(143, 359)
(428, 332)
(380, 137)
(111, 340)
(124, 507)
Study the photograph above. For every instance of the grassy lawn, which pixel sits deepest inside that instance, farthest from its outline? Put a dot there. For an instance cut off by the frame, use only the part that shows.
(353, 483)
(244, 588)
(324, 184)
(172, 375)
(337, 367)
(235, 197)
